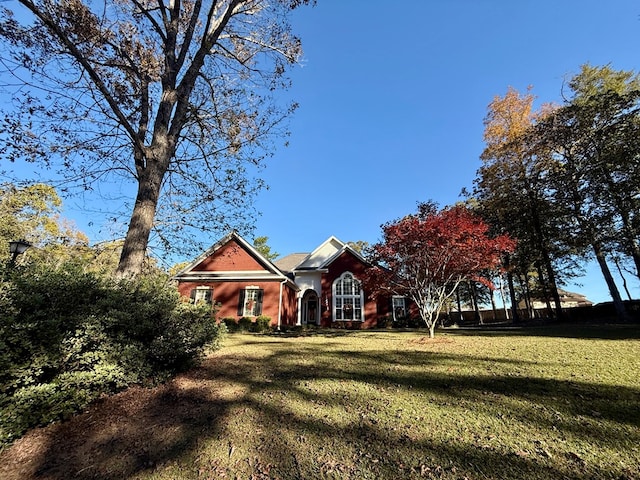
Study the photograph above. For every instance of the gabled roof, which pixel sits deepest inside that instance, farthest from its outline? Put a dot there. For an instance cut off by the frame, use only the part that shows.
(268, 271)
(326, 253)
(289, 262)
(566, 296)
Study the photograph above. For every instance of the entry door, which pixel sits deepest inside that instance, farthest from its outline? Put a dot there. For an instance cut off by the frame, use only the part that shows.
(310, 309)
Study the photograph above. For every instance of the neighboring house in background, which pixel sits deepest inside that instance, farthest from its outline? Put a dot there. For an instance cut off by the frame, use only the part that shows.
(567, 300)
(322, 288)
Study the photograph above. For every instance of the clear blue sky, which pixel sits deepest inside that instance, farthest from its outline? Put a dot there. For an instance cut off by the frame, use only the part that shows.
(393, 95)
(392, 98)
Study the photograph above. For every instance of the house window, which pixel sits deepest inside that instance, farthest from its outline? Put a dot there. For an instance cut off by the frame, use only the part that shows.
(347, 298)
(202, 295)
(399, 307)
(250, 303)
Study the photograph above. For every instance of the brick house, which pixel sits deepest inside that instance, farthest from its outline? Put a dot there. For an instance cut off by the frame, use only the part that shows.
(321, 288)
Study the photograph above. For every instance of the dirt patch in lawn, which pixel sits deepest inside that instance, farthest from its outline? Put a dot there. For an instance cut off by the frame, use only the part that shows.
(431, 341)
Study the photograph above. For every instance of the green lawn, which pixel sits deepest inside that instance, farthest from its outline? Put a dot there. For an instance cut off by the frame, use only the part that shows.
(523, 404)
(397, 405)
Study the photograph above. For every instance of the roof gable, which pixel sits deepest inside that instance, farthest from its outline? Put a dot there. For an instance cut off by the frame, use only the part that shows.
(231, 258)
(326, 253)
(231, 255)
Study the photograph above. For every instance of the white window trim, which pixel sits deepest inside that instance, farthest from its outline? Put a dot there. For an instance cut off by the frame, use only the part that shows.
(334, 300)
(252, 288)
(393, 306)
(200, 290)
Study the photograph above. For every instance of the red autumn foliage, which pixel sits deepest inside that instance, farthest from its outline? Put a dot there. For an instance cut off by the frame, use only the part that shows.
(426, 256)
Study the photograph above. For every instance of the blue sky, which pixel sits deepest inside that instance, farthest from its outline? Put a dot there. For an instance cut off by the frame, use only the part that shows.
(392, 99)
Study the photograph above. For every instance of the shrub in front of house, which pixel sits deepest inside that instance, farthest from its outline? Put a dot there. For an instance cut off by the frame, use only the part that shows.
(179, 341)
(244, 324)
(408, 322)
(231, 324)
(346, 325)
(385, 322)
(68, 336)
(262, 324)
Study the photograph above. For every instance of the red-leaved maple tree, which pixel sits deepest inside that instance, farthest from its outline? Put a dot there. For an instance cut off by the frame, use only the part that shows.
(425, 256)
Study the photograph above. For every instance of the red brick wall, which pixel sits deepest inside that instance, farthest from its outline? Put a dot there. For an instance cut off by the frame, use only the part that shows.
(228, 294)
(347, 262)
(229, 257)
(289, 306)
(233, 257)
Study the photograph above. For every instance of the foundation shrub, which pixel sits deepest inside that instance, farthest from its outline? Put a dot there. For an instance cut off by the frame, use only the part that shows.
(231, 324)
(244, 324)
(262, 324)
(68, 336)
(385, 322)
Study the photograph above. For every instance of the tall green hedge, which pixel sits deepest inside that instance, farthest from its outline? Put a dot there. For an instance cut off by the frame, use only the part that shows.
(68, 336)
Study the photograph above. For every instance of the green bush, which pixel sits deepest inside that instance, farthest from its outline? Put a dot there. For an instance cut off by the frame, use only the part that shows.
(385, 322)
(178, 343)
(230, 323)
(244, 324)
(262, 324)
(68, 336)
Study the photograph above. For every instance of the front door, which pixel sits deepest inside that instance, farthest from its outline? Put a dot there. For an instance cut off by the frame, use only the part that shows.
(310, 308)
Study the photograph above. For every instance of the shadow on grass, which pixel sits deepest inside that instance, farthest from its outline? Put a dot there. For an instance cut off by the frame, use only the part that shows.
(274, 420)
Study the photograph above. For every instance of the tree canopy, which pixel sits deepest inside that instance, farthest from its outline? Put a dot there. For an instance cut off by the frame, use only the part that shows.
(564, 179)
(173, 102)
(32, 213)
(512, 194)
(261, 245)
(425, 256)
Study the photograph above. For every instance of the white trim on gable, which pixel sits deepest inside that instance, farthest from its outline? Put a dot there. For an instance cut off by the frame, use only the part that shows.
(232, 275)
(325, 254)
(270, 272)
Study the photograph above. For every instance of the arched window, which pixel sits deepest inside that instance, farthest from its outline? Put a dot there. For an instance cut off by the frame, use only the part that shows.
(347, 298)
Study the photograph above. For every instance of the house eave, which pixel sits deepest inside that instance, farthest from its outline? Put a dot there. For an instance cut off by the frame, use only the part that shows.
(233, 276)
(298, 271)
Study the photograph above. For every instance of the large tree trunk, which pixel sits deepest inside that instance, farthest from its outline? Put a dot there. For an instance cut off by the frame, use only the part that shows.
(613, 289)
(474, 301)
(134, 249)
(551, 276)
(624, 279)
(544, 290)
(630, 234)
(512, 291)
(632, 242)
(459, 303)
(546, 258)
(554, 289)
(524, 285)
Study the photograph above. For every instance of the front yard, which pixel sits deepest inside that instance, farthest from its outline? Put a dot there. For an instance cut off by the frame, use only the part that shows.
(515, 404)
